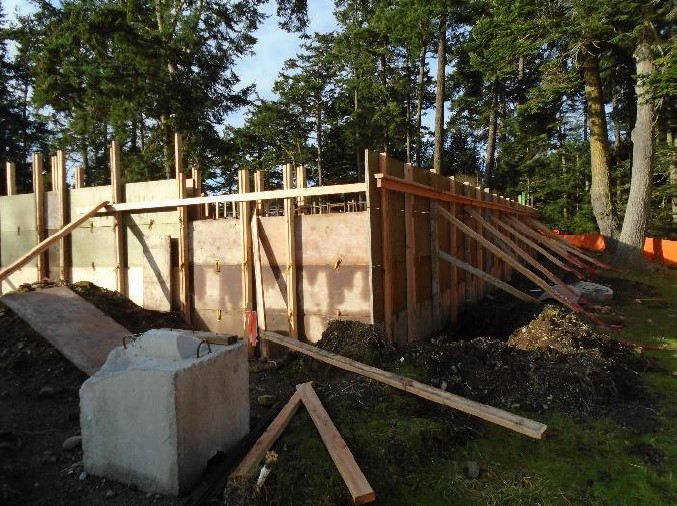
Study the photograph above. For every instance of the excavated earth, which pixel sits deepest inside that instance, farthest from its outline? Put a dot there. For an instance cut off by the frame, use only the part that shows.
(507, 354)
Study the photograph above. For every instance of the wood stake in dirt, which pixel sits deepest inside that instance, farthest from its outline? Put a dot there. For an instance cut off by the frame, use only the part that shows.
(500, 417)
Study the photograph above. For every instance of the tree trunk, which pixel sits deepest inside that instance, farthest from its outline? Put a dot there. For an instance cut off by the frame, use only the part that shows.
(439, 95)
(318, 136)
(600, 189)
(670, 139)
(491, 137)
(629, 250)
(419, 105)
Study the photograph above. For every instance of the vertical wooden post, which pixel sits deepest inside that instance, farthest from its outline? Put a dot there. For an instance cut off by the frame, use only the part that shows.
(453, 247)
(375, 238)
(386, 242)
(184, 271)
(301, 183)
(39, 193)
(119, 229)
(292, 310)
(259, 186)
(244, 186)
(481, 252)
(79, 179)
(11, 179)
(410, 249)
(63, 213)
(435, 255)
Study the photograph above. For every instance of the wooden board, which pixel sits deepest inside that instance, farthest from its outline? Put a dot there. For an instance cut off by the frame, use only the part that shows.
(358, 486)
(487, 277)
(489, 413)
(374, 237)
(248, 465)
(80, 331)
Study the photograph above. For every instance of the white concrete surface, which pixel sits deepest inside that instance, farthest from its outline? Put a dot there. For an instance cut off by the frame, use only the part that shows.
(154, 414)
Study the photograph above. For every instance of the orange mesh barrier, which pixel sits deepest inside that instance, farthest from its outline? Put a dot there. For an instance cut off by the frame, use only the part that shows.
(661, 250)
(591, 242)
(655, 249)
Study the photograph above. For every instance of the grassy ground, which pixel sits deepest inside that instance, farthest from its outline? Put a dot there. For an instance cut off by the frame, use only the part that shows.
(411, 456)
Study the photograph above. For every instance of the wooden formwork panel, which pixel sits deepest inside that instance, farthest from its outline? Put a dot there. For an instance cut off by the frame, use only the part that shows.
(17, 212)
(157, 277)
(324, 239)
(216, 257)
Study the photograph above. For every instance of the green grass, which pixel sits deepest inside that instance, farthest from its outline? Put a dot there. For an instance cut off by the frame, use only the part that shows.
(412, 458)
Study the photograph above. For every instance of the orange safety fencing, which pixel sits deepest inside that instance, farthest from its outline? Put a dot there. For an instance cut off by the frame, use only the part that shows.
(655, 249)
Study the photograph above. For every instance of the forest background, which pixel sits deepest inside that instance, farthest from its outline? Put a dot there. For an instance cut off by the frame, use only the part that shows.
(567, 104)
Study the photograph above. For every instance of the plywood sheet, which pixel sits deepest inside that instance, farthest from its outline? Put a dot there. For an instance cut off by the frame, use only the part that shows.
(327, 291)
(80, 331)
(17, 211)
(323, 239)
(218, 290)
(157, 265)
(216, 240)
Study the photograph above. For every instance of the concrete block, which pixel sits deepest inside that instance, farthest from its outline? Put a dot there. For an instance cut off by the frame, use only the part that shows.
(155, 414)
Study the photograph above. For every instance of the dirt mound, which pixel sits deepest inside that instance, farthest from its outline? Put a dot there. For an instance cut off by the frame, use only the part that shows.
(40, 405)
(358, 341)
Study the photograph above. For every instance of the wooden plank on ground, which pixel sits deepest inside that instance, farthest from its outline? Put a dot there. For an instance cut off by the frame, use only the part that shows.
(257, 452)
(487, 277)
(80, 331)
(358, 486)
(500, 417)
(44, 245)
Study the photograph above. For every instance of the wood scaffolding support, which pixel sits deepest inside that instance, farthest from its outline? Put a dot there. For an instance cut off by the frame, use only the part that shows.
(119, 228)
(386, 241)
(245, 212)
(184, 273)
(410, 248)
(488, 278)
(62, 192)
(44, 245)
(289, 218)
(39, 193)
(11, 178)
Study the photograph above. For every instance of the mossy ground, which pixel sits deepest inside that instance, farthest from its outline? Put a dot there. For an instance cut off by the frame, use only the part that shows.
(414, 453)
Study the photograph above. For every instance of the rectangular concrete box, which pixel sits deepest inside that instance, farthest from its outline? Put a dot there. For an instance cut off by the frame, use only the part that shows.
(155, 414)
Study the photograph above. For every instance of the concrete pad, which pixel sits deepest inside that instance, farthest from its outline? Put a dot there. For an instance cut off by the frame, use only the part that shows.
(155, 413)
(81, 332)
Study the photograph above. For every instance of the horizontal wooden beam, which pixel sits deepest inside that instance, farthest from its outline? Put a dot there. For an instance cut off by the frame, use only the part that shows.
(488, 278)
(358, 486)
(313, 191)
(500, 417)
(50, 240)
(421, 190)
(255, 455)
